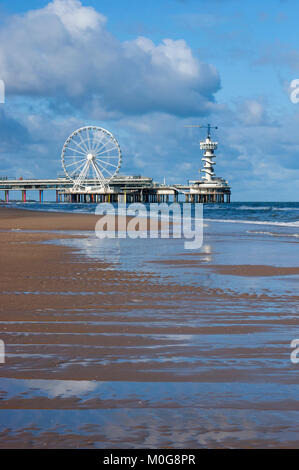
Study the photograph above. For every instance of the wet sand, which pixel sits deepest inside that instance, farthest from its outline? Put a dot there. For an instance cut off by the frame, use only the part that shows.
(98, 355)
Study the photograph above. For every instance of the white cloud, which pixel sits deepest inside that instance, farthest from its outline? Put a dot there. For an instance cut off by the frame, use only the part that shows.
(74, 16)
(253, 113)
(65, 52)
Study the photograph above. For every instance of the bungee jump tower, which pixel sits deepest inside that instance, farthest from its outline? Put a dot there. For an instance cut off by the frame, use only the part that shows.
(209, 188)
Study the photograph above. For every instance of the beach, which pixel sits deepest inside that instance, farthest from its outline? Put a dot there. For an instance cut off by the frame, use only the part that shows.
(122, 343)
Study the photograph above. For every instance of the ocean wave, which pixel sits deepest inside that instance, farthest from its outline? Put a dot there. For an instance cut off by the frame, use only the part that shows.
(253, 208)
(82, 211)
(274, 234)
(256, 222)
(289, 209)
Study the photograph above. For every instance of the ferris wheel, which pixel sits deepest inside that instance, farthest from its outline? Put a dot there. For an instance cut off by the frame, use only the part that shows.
(91, 156)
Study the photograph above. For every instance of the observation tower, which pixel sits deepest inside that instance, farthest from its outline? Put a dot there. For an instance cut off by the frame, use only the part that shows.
(209, 188)
(209, 147)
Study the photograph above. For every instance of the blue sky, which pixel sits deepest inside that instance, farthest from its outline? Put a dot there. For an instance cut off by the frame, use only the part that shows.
(144, 70)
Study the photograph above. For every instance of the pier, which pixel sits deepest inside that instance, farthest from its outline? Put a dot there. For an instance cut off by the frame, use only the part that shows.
(91, 158)
(122, 189)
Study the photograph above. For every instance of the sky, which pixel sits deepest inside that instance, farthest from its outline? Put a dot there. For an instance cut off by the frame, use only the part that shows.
(145, 70)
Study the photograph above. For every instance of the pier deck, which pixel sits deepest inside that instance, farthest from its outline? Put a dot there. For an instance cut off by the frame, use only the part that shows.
(121, 189)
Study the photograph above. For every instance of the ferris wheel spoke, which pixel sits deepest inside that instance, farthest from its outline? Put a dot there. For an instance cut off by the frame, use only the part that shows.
(95, 140)
(78, 181)
(110, 156)
(91, 173)
(80, 146)
(85, 144)
(78, 151)
(98, 172)
(88, 139)
(100, 143)
(74, 163)
(101, 168)
(105, 169)
(84, 170)
(83, 173)
(104, 141)
(104, 149)
(77, 169)
(98, 146)
(82, 141)
(95, 175)
(109, 173)
(107, 163)
(107, 150)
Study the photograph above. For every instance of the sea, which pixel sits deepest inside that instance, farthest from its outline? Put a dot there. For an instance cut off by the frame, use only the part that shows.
(279, 214)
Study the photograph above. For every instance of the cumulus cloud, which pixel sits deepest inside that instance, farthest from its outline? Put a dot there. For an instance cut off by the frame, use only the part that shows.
(65, 51)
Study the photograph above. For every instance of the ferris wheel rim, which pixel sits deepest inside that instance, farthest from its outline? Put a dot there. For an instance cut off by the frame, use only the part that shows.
(91, 156)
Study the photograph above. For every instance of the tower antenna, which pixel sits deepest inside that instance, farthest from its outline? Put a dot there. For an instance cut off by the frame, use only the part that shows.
(209, 127)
